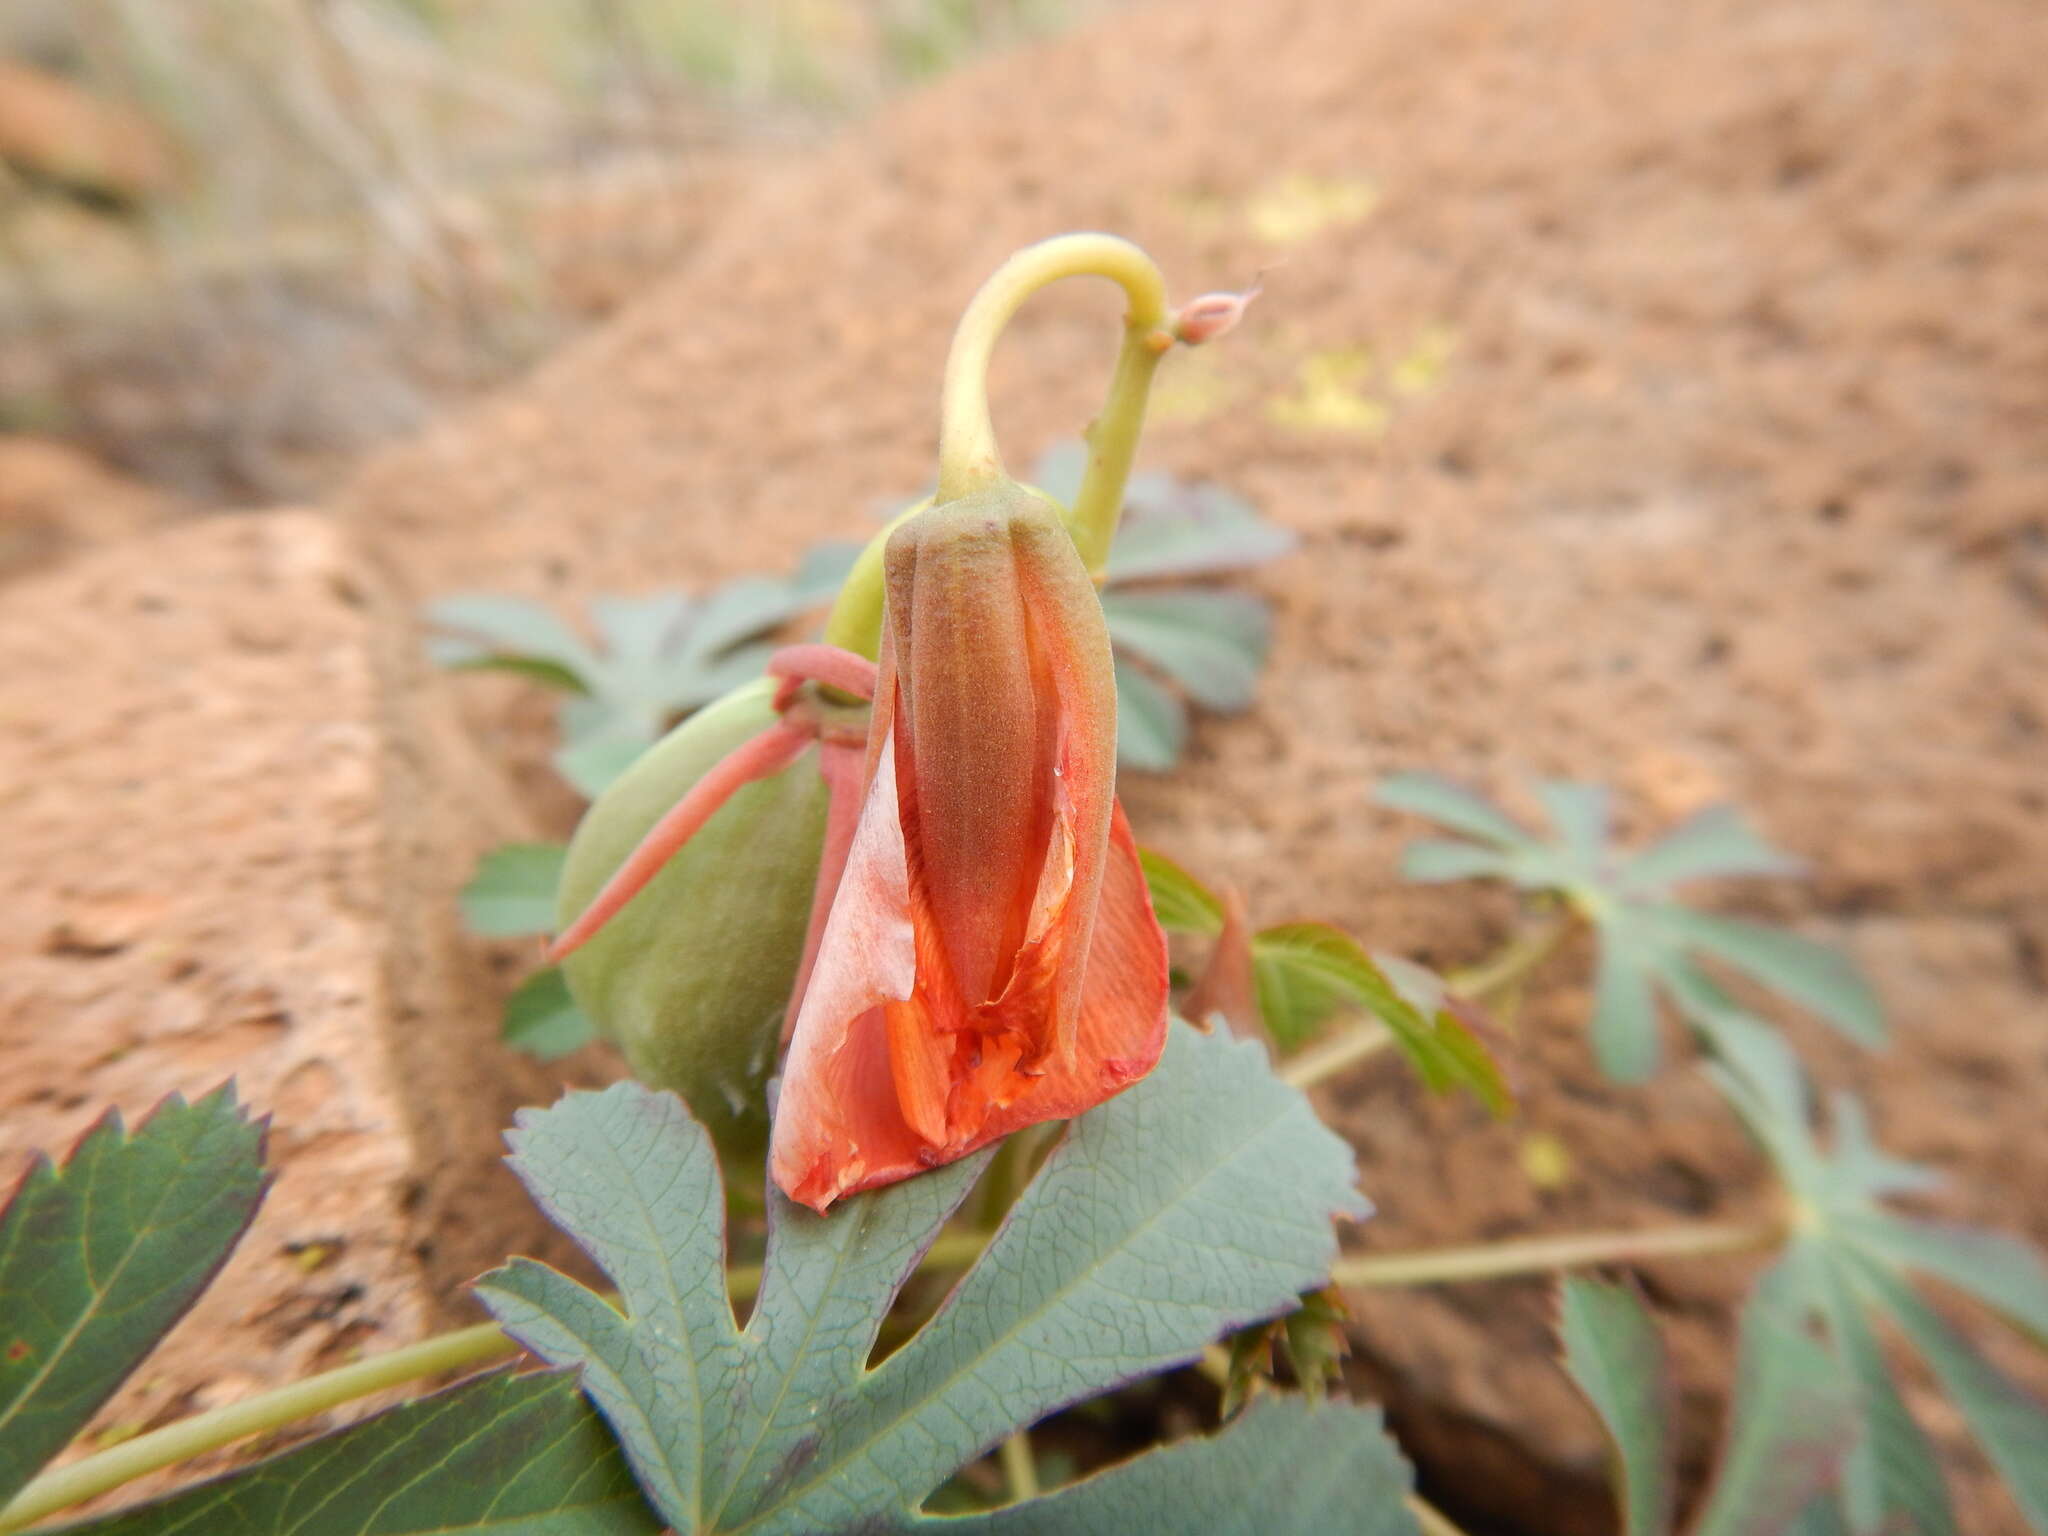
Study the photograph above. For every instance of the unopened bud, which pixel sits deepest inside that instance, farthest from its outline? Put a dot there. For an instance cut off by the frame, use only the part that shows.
(1206, 318)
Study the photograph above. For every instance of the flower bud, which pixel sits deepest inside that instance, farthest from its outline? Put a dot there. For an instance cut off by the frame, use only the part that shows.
(991, 959)
(692, 976)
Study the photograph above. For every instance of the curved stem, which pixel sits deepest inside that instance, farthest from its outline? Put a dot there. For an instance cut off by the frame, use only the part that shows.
(1537, 1255)
(483, 1344)
(1514, 960)
(1334, 1055)
(968, 457)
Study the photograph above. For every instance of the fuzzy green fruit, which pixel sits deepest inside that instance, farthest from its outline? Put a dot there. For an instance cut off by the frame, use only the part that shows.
(692, 977)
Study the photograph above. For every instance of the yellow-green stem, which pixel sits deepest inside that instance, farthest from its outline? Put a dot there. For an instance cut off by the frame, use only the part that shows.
(969, 459)
(1348, 1048)
(481, 1345)
(1020, 1468)
(1514, 960)
(1539, 1255)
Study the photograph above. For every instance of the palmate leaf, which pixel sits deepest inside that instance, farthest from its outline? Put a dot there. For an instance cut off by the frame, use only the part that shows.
(1170, 527)
(1614, 1357)
(1212, 643)
(657, 656)
(1197, 1200)
(501, 1455)
(1853, 1257)
(512, 893)
(98, 1259)
(1209, 643)
(1790, 1423)
(1151, 724)
(1649, 944)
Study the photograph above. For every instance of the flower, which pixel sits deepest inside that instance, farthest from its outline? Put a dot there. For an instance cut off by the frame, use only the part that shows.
(990, 959)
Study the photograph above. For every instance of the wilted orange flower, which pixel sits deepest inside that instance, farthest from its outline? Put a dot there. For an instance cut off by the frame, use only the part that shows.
(990, 959)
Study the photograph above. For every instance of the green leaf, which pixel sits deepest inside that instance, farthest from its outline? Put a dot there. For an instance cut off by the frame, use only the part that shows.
(542, 1019)
(99, 1259)
(504, 1455)
(1791, 1423)
(1810, 974)
(662, 655)
(1305, 972)
(1198, 1199)
(2000, 1271)
(1181, 902)
(1435, 861)
(2011, 1426)
(592, 765)
(489, 630)
(1304, 975)
(1460, 1056)
(1151, 726)
(1715, 842)
(1625, 1020)
(1614, 1357)
(1281, 1468)
(512, 893)
(1891, 1474)
(1439, 799)
(1199, 530)
(1580, 813)
(1211, 643)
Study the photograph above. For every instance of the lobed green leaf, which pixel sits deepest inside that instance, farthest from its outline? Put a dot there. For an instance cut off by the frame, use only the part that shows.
(1791, 1423)
(1199, 1199)
(1282, 1466)
(1613, 1354)
(1151, 725)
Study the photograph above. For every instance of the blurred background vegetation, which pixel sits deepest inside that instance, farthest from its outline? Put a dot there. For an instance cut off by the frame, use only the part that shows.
(241, 241)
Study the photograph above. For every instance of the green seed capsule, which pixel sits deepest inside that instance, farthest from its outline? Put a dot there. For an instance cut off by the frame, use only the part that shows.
(692, 976)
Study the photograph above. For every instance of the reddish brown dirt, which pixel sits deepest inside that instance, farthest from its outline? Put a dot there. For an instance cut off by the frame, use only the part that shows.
(1732, 485)
(237, 814)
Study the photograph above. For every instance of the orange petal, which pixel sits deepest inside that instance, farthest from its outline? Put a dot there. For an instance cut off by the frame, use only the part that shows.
(1122, 1025)
(838, 1122)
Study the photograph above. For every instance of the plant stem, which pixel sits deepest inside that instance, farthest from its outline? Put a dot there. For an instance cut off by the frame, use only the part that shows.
(1020, 1469)
(1513, 961)
(969, 459)
(1535, 1255)
(1331, 1057)
(483, 1344)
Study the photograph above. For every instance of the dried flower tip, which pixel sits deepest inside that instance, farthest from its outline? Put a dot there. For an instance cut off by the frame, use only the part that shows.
(1206, 318)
